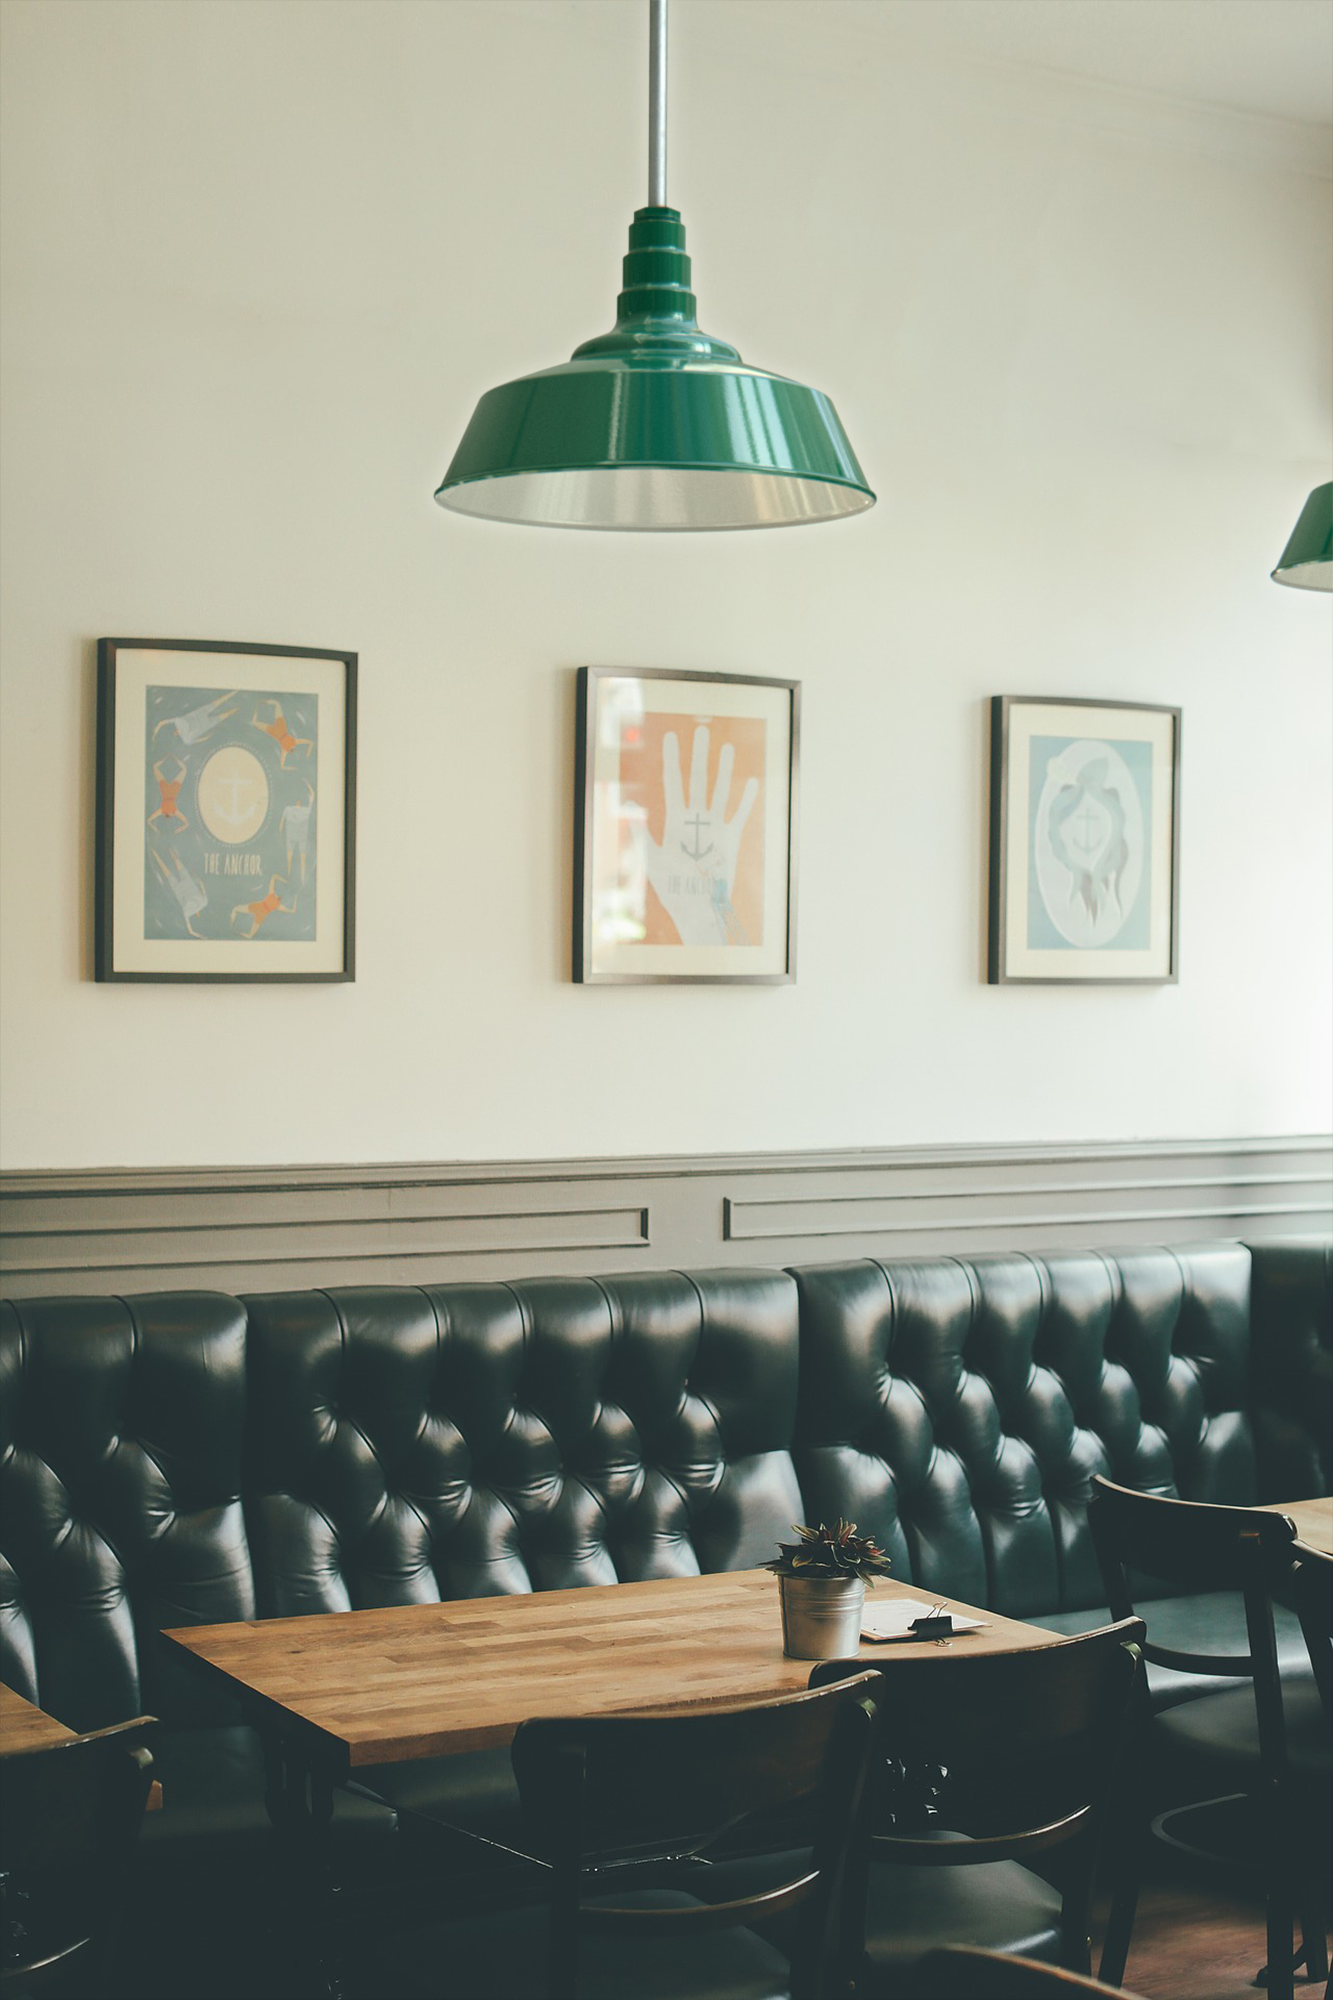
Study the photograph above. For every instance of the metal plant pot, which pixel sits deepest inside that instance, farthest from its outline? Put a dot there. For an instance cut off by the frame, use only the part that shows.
(821, 1616)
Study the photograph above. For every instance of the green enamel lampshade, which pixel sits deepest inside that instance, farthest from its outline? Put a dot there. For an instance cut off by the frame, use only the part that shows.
(655, 425)
(1307, 560)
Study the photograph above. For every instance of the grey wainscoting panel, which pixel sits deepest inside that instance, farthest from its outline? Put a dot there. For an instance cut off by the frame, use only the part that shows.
(263, 1228)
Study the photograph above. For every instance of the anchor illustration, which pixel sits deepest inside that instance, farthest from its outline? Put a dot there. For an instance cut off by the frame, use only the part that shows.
(696, 853)
(237, 786)
(1091, 825)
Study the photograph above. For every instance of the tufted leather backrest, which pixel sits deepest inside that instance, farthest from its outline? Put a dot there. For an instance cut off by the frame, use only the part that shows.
(451, 1441)
(121, 1425)
(957, 1410)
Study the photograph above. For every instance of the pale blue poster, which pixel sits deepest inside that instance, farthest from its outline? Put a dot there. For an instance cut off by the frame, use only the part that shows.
(1089, 840)
(231, 784)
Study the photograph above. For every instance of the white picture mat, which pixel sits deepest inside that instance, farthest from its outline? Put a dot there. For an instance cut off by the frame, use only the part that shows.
(708, 701)
(1125, 725)
(259, 673)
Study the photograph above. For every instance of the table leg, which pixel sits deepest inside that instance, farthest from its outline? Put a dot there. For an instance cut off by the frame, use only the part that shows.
(325, 1897)
(298, 1797)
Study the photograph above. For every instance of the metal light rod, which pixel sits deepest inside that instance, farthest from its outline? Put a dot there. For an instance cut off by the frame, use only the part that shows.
(657, 103)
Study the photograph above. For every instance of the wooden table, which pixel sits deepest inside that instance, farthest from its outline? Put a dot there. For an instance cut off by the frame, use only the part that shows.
(1313, 1518)
(353, 1688)
(23, 1726)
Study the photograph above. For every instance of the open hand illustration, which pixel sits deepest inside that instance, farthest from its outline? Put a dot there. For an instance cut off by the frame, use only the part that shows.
(694, 868)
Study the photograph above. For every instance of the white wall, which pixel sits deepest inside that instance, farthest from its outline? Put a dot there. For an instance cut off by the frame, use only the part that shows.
(261, 257)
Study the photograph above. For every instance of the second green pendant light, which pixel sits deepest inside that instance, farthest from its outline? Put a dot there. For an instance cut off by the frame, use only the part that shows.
(1307, 560)
(655, 425)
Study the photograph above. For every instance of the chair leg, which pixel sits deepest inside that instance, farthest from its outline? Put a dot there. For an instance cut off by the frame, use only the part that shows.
(1126, 1872)
(1119, 1929)
(1128, 1828)
(1314, 1945)
(1278, 1975)
(1292, 1894)
(1294, 1962)
(1281, 1986)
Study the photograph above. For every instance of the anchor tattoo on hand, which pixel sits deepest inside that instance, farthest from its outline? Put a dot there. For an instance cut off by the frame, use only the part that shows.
(693, 869)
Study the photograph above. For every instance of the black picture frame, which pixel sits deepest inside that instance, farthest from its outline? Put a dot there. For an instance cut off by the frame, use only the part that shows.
(1010, 959)
(121, 952)
(735, 959)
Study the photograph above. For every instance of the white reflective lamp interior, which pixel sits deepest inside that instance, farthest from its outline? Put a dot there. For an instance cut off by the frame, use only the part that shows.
(655, 496)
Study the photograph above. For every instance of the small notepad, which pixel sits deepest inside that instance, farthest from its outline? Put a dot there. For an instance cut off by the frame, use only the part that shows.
(894, 1618)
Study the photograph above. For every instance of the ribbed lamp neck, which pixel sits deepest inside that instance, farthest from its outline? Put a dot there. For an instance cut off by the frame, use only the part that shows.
(655, 312)
(656, 271)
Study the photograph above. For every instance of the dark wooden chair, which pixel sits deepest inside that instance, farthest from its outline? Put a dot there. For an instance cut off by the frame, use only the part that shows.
(1029, 1745)
(962, 1972)
(1246, 1743)
(69, 1819)
(623, 1811)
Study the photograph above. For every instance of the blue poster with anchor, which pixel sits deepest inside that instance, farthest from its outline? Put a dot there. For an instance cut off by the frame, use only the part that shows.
(231, 786)
(1090, 842)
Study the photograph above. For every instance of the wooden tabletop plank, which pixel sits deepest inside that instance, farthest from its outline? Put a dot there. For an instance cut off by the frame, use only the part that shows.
(1313, 1518)
(424, 1680)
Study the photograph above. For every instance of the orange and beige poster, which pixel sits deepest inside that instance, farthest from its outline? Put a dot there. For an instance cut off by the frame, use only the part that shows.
(689, 823)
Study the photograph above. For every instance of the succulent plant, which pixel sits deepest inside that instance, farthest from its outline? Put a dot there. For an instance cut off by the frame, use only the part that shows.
(830, 1552)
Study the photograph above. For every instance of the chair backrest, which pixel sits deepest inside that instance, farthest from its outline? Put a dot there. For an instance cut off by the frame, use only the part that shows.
(69, 1817)
(1030, 1742)
(612, 1797)
(965, 1972)
(1195, 1547)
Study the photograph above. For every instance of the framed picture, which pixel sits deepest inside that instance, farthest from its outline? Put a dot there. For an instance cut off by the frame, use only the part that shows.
(226, 784)
(1084, 841)
(685, 826)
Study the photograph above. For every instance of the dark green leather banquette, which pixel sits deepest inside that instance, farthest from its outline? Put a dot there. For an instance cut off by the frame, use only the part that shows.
(178, 1458)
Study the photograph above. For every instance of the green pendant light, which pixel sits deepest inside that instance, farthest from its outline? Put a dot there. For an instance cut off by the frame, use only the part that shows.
(1307, 560)
(655, 425)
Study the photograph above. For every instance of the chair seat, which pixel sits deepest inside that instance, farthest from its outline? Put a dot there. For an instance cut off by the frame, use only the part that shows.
(998, 1904)
(1221, 1732)
(505, 1958)
(1209, 1621)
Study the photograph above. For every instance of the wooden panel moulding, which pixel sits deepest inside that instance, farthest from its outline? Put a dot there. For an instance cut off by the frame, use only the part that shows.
(265, 1228)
